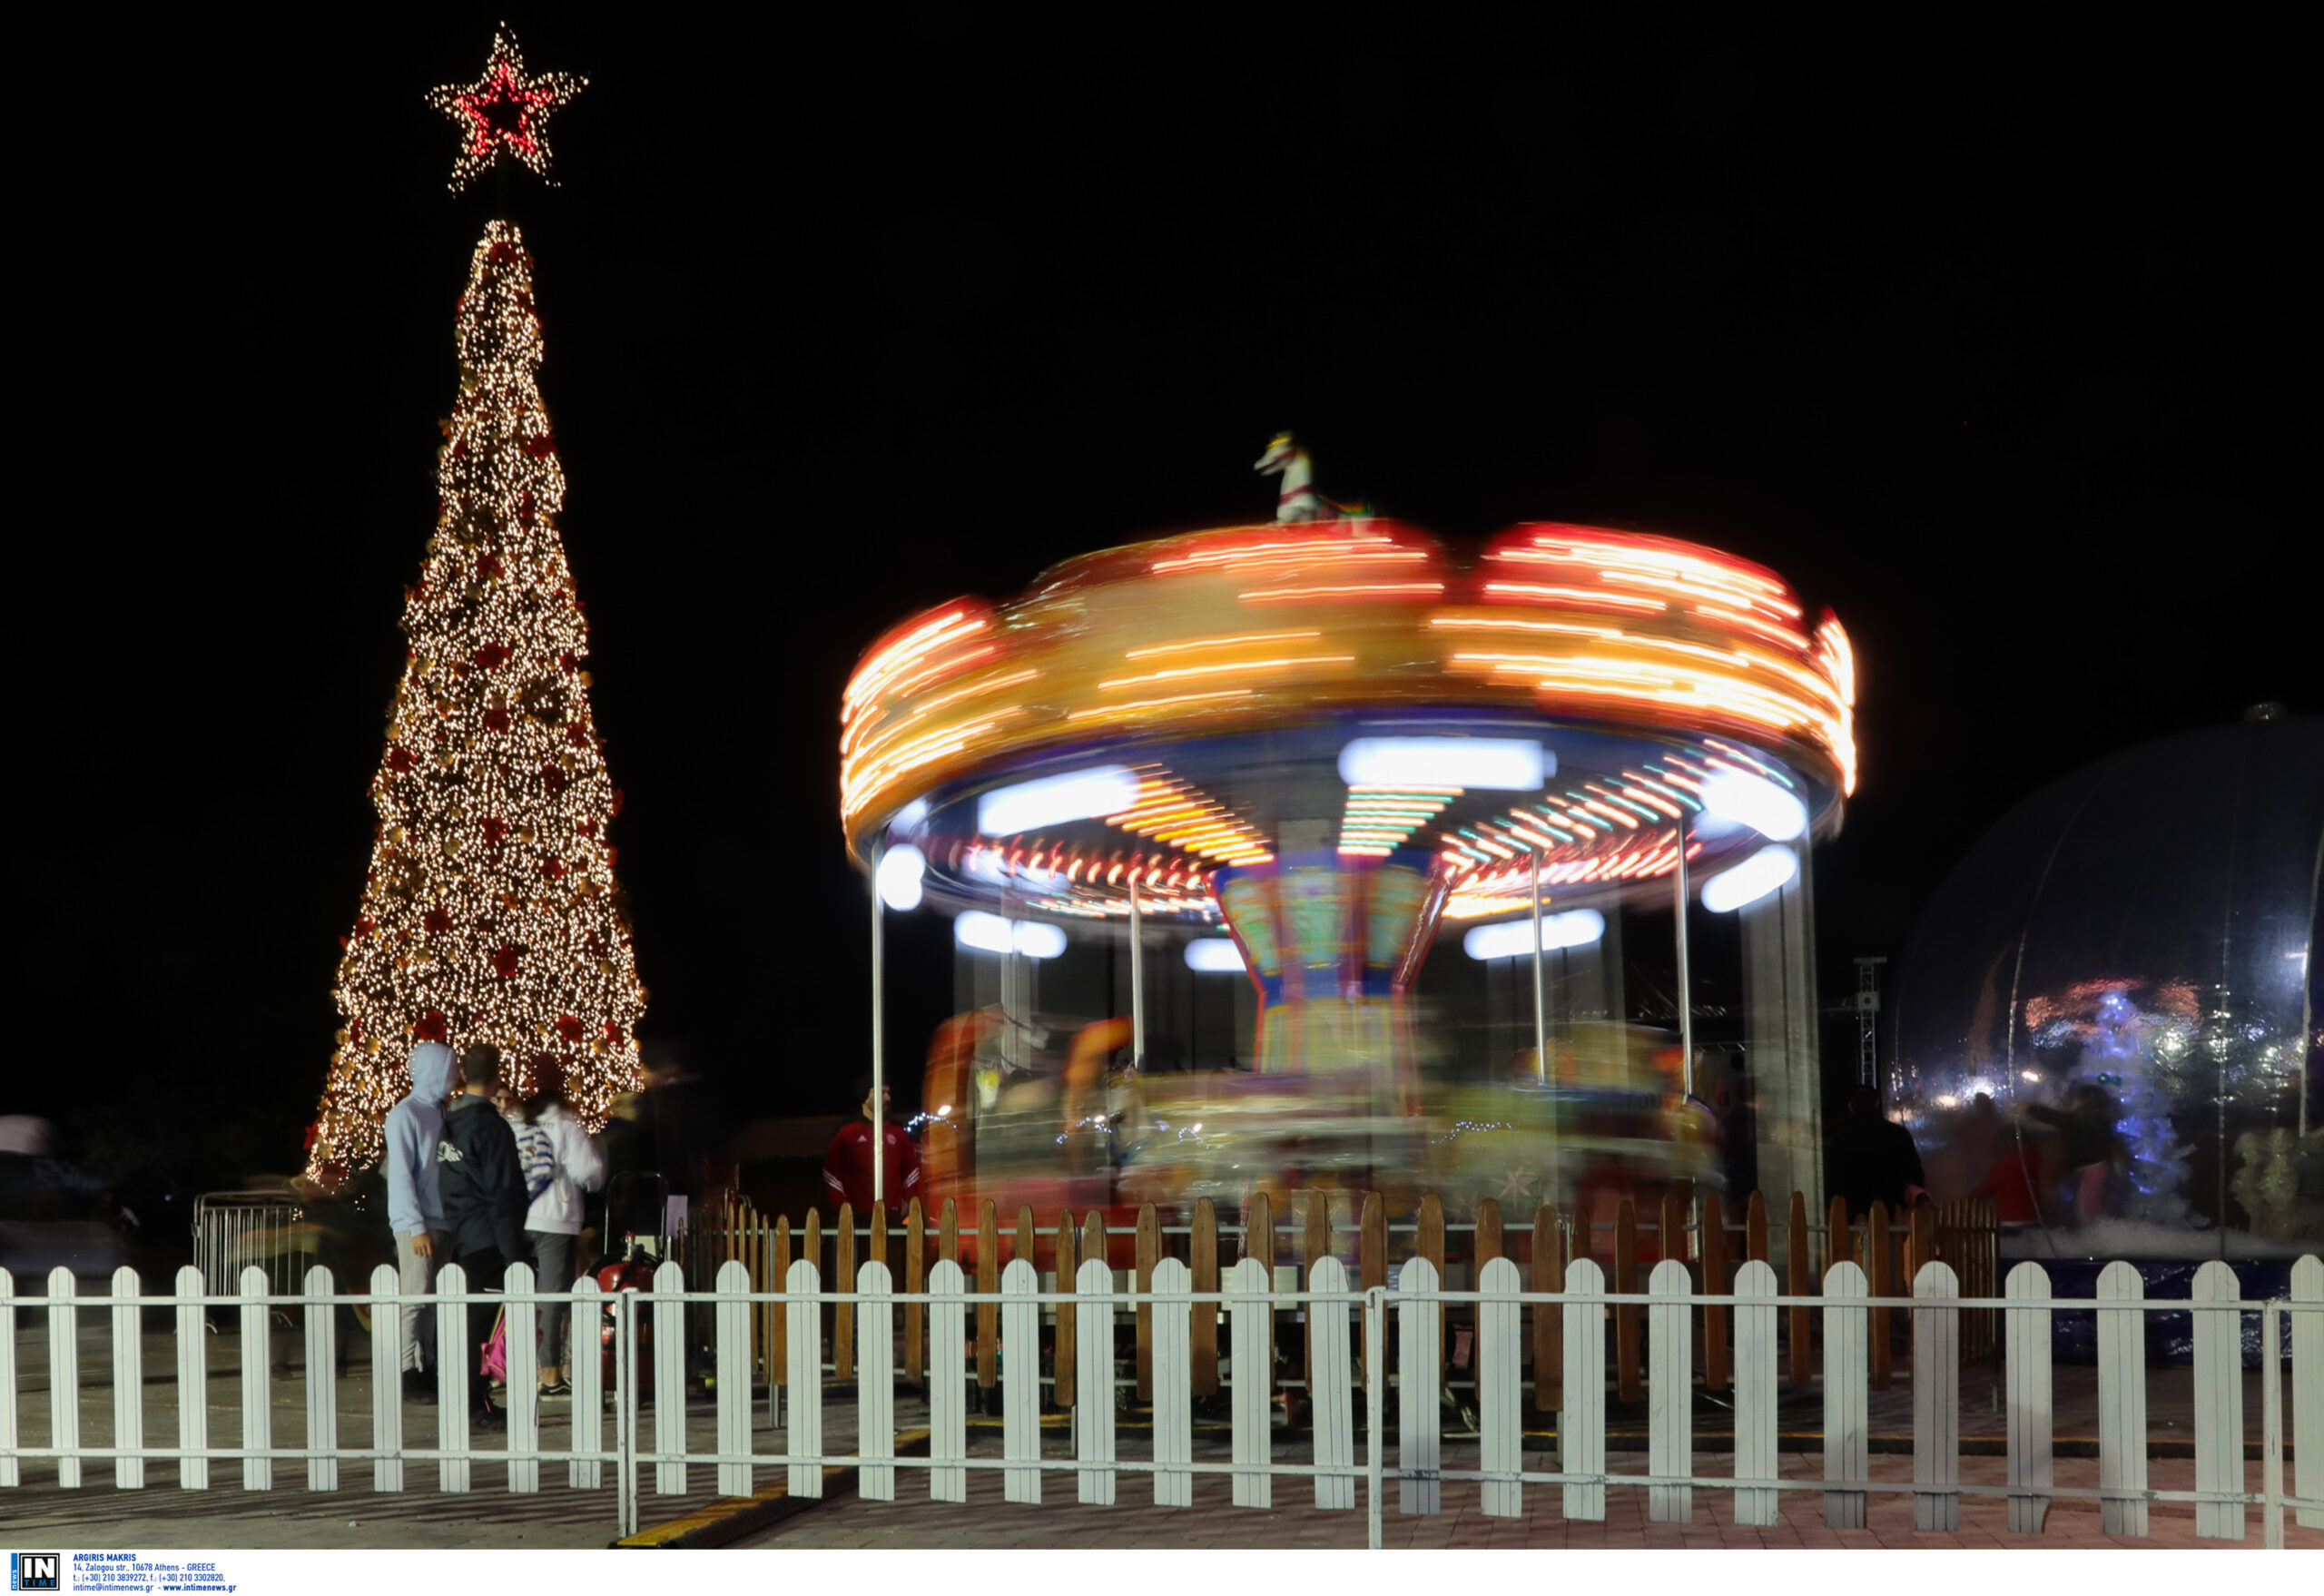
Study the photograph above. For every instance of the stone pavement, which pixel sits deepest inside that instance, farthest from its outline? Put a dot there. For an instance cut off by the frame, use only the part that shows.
(987, 1522)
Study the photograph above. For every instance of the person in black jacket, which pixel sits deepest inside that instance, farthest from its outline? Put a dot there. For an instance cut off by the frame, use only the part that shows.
(481, 1186)
(1874, 1159)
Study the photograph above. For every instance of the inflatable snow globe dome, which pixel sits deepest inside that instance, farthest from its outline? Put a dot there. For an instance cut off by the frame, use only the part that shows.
(2107, 1021)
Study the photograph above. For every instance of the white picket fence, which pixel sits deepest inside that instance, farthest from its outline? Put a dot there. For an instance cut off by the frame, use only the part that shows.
(1248, 1299)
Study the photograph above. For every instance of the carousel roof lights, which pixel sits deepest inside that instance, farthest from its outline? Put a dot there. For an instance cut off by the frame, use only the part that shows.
(1213, 955)
(1514, 939)
(899, 877)
(1755, 801)
(991, 933)
(1082, 794)
(1503, 764)
(1769, 870)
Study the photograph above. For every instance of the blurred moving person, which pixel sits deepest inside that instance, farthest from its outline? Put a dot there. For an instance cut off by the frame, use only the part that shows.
(1874, 1159)
(415, 1209)
(482, 1185)
(561, 1163)
(2087, 1143)
(848, 1160)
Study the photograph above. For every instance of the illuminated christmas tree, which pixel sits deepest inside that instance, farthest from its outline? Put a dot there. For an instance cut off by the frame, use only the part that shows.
(491, 913)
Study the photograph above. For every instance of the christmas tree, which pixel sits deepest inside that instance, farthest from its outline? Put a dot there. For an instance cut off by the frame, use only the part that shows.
(489, 912)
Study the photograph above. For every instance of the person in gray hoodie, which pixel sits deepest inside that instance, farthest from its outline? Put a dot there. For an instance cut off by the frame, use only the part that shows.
(415, 1209)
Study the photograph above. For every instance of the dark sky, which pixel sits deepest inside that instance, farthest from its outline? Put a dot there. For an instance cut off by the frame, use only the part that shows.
(1999, 343)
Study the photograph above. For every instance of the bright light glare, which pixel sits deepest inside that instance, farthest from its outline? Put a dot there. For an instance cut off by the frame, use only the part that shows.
(910, 816)
(1108, 789)
(1214, 953)
(1755, 801)
(1514, 939)
(1771, 868)
(1506, 763)
(899, 876)
(990, 933)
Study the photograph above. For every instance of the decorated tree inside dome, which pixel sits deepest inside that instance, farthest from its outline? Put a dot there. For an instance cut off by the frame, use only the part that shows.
(490, 913)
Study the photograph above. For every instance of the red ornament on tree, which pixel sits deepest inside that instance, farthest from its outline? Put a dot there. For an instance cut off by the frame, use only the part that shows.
(437, 920)
(430, 1028)
(570, 1028)
(496, 720)
(400, 760)
(503, 962)
(492, 655)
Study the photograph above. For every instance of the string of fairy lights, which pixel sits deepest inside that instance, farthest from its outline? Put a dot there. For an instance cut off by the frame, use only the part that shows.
(490, 911)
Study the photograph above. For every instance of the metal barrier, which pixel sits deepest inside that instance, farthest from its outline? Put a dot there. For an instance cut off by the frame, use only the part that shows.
(236, 1230)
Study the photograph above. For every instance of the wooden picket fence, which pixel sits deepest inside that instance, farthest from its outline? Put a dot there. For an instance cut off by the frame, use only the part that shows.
(1964, 1235)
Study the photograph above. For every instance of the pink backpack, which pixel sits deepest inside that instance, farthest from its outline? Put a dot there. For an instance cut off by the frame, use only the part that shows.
(495, 1348)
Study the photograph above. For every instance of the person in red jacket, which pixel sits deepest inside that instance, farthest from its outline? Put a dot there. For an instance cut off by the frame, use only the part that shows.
(847, 1162)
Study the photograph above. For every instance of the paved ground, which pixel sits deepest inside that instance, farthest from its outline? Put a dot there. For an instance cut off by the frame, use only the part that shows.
(98, 1516)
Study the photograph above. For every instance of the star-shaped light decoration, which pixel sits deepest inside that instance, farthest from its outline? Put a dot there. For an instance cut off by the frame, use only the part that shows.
(504, 110)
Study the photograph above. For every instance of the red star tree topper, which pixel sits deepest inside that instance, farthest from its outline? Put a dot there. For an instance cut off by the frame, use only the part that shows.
(504, 110)
(491, 913)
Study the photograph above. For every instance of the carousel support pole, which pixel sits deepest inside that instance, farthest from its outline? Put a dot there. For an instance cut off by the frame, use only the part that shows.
(878, 1050)
(1686, 994)
(1137, 978)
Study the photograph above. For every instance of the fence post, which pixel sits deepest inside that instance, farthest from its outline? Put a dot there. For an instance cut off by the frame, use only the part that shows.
(452, 1364)
(64, 1377)
(1582, 1422)
(1548, 1318)
(844, 1278)
(1936, 1400)
(1670, 1390)
(1065, 1360)
(129, 1379)
(2307, 1387)
(2030, 1470)
(320, 1313)
(1371, 1268)
(1428, 1239)
(1201, 1255)
(625, 1411)
(1376, 1353)
(731, 1330)
(1846, 1431)
(2271, 1428)
(1500, 1395)
(1020, 1384)
(588, 1424)
(2121, 1400)
(2219, 1401)
(1249, 1284)
(387, 1379)
(1418, 1452)
(947, 1425)
(1315, 1246)
(193, 1386)
(915, 1283)
(1330, 1382)
(521, 1374)
(1714, 1256)
(1755, 1395)
(258, 1374)
(875, 1380)
(11, 1472)
(669, 1377)
(1173, 1402)
(1093, 1424)
(778, 1329)
(804, 1432)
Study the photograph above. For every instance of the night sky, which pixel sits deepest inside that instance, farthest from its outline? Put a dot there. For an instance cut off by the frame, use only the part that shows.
(2000, 344)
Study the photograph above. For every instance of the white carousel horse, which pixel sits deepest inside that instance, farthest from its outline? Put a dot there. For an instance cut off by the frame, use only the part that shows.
(1297, 499)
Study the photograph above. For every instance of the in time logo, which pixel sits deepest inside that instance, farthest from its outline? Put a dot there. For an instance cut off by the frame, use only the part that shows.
(35, 1570)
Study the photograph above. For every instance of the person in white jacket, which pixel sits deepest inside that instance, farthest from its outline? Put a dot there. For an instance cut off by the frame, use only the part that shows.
(561, 1162)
